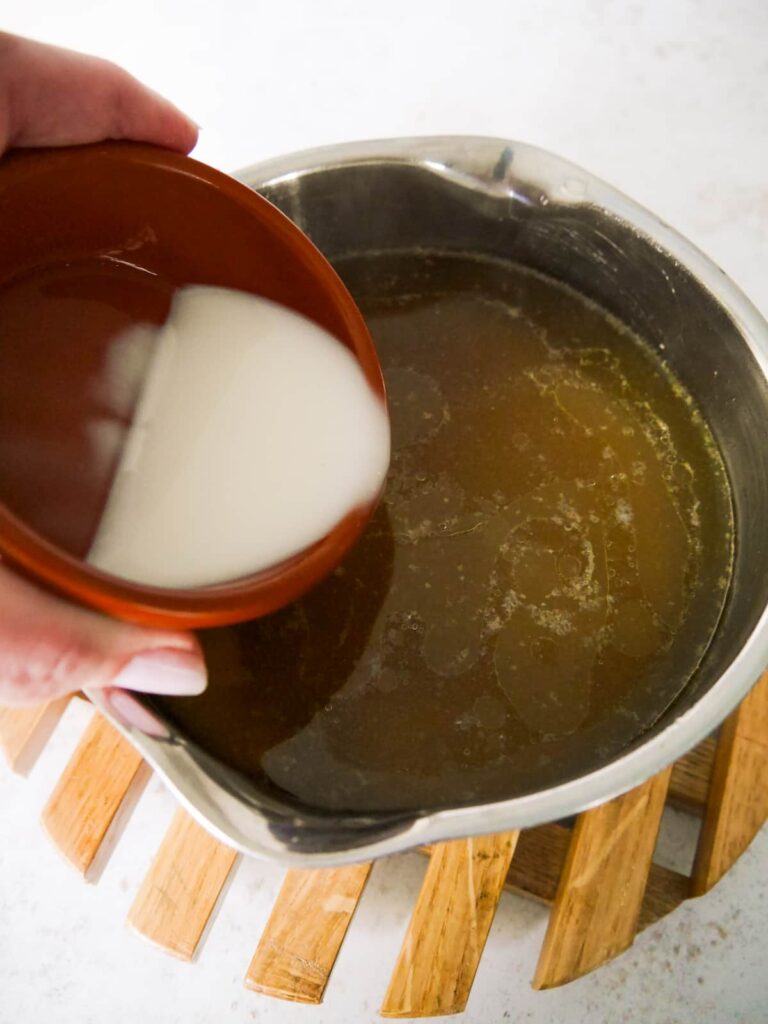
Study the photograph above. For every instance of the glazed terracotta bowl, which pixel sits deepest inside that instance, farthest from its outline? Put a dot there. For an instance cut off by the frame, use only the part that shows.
(167, 221)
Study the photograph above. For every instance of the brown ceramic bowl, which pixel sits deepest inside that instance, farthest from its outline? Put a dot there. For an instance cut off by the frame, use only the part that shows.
(145, 209)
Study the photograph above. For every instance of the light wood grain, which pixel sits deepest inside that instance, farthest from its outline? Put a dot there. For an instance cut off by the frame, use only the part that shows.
(25, 731)
(597, 908)
(309, 920)
(538, 863)
(448, 928)
(97, 779)
(180, 892)
(737, 807)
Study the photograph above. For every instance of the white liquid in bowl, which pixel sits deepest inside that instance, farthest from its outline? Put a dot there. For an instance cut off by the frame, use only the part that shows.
(255, 433)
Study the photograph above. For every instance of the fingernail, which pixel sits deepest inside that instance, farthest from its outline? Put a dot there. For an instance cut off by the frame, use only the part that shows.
(167, 670)
(128, 710)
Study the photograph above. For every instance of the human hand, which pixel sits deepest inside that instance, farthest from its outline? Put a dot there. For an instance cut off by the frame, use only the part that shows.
(55, 97)
(49, 647)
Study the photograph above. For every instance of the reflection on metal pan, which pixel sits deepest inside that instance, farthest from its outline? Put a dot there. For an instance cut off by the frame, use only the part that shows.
(508, 200)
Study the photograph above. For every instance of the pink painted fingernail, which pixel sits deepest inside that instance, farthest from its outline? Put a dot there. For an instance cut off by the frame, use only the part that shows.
(130, 713)
(167, 670)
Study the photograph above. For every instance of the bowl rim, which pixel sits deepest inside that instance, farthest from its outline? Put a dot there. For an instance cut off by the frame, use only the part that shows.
(469, 160)
(249, 596)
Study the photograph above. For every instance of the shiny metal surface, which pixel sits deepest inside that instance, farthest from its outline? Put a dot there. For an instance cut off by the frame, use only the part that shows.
(521, 203)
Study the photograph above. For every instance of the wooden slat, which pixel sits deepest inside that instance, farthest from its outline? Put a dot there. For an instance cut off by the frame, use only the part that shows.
(447, 932)
(182, 887)
(25, 731)
(597, 908)
(689, 785)
(738, 799)
(95, 782)
(539, 860)
(309, 920)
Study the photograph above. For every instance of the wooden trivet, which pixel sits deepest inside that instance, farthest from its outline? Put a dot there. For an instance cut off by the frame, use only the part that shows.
(599, 876)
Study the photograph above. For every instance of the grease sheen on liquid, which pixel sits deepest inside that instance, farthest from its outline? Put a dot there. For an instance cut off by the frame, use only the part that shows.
(540, 582)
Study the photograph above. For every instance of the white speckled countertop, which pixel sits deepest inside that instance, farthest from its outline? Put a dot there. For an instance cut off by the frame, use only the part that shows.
(667, 99)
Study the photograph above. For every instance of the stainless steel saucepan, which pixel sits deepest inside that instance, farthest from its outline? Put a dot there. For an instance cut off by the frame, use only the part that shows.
(509, 200)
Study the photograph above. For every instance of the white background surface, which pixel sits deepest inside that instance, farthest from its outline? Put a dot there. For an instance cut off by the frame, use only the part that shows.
(668, 100)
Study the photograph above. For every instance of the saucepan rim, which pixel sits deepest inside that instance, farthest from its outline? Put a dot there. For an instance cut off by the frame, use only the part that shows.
(459, 158)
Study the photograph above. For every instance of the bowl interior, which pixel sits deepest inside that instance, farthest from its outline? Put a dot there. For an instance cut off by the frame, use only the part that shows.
(166, 214)
(151, 221)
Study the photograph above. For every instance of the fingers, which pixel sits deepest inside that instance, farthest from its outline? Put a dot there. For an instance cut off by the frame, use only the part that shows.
(130, 713)
(49, 647)
(55, 97)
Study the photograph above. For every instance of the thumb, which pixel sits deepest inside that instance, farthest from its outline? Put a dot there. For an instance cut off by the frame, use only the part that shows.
(54, 97)
(49, 647)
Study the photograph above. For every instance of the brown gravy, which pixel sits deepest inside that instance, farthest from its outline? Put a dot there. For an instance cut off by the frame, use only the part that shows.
(541, 580)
